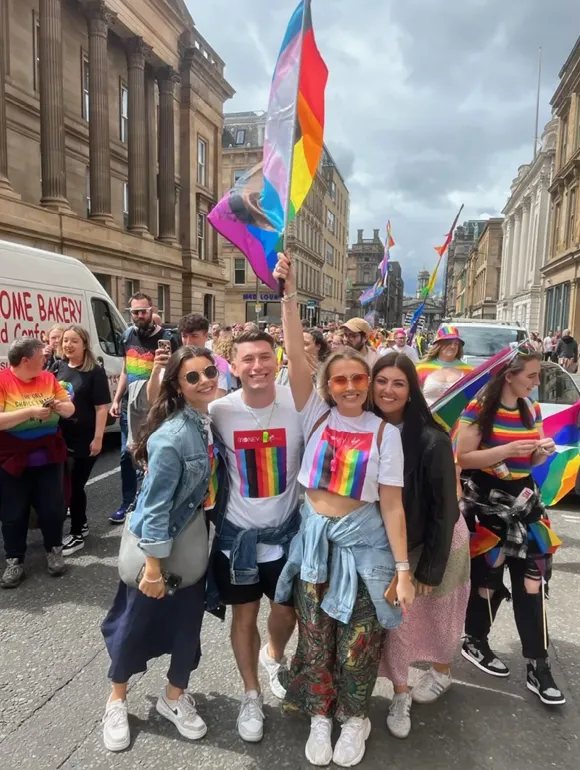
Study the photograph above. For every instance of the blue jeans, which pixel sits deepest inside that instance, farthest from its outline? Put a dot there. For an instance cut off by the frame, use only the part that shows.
(128, 472)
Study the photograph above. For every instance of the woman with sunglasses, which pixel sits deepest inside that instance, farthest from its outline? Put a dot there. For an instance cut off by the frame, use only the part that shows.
(443, 365)
(438, 542)
(341, 563)
(500, 440)
(146, 622)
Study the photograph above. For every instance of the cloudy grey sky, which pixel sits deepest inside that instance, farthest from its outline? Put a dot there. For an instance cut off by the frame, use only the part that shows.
(430, 103)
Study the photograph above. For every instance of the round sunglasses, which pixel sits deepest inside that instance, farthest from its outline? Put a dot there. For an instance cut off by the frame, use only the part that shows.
(341, 381)
(210, 373)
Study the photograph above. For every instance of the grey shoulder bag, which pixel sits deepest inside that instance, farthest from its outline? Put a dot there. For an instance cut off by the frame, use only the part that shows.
(188, 558)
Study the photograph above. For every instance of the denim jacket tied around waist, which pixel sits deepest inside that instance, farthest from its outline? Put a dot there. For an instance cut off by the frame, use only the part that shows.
(176, 482)
(360, 549)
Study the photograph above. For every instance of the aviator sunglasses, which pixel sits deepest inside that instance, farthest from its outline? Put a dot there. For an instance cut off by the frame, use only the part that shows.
(210, 372)
(341, 381)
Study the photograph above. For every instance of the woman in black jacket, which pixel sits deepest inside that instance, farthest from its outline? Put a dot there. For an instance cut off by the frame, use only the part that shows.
(438, 544)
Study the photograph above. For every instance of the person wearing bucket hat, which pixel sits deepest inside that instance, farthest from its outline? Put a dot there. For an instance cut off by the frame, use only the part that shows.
(401, 346)
(443, 365)
(356, 333)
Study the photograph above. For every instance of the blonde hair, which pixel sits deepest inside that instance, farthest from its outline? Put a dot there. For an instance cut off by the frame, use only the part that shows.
(89, 361)
(346, 354)
(223, 347)
(435, 349)
(57, 328)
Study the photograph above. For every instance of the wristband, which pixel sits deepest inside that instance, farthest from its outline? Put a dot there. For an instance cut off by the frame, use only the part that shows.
(288, 297)
(402, 566)
(159, 580)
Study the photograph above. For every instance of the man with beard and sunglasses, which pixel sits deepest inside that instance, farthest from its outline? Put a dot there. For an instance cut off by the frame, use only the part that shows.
(356, 333)
(138, 345)
(262, 434)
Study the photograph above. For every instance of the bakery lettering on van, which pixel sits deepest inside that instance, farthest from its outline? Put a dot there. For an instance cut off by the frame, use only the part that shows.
(28, 314)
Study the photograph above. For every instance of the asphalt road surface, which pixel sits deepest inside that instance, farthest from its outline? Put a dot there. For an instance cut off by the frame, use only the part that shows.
(53, 681)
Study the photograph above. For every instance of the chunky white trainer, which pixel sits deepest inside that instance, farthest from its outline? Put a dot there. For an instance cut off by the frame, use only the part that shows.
(183, 713)
(350, 747)
(251, 717)
(319, 747)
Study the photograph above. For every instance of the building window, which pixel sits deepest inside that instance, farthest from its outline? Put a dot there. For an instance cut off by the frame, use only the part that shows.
(201, 232)
(332, 190)
(239, 272)
(125, 205)
(163, 301)
(238, 174)
(330, 221)
(564, 141)
(329, 253)
(88, 190)
(36, 49)
(208, 307)
(366, 277)
(85, 85)
(105, 281)
(328, 286)
(131, 288)
(123, 112)
(556, 233)
(240, 137)
(571, 216)
(202, 162)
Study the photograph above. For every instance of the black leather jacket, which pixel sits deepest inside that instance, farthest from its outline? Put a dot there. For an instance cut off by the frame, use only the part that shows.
(430, 501)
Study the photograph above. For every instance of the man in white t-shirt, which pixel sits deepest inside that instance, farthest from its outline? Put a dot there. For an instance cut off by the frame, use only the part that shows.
(401, 346)
(548, 346)
(262, 434)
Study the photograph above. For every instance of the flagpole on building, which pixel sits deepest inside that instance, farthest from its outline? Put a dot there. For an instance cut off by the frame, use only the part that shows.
(307, 5)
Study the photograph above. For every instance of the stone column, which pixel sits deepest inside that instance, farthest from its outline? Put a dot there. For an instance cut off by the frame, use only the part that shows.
(167, 78)
(5, 186)
(515, 252)
(505, 261)
(151, 122)
(99, 149)
(138, 190)
(188, 160)
(523, 256)
(52, 132)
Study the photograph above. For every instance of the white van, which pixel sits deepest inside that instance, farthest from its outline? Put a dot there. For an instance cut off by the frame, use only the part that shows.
(39, 289)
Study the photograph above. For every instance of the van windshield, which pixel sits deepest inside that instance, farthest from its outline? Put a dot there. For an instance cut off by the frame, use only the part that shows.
(484, 342)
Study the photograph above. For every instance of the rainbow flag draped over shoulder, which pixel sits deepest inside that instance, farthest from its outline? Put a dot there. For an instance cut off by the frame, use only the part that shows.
(254, 215)
(556, 477)
(425, 368)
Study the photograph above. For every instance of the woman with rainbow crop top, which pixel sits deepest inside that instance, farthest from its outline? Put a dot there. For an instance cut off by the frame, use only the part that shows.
(443, 364)
(500, 439)
(341, 563)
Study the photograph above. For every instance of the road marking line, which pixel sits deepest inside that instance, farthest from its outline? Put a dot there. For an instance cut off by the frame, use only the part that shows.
(102, 476)
(488, 689)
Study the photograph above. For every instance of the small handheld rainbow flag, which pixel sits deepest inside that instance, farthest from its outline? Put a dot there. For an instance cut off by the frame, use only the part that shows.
(556, 476)
(481, 541)
(546, 540)
(255, 214)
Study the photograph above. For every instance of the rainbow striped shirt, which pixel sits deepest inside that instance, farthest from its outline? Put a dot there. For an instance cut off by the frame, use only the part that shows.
(425, 368)
(507, 427)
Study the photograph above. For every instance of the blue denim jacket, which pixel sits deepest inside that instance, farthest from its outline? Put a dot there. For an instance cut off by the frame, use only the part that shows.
(176, 482)
(360, 549)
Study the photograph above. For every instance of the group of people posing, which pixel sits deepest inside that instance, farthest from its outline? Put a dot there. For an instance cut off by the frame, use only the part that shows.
(371, 563)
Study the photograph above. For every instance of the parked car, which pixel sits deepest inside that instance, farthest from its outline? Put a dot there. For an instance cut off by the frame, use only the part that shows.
(483, 339)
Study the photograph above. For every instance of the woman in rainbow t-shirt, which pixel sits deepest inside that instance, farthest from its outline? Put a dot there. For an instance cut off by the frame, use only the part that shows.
(443, 364)
(500, 439)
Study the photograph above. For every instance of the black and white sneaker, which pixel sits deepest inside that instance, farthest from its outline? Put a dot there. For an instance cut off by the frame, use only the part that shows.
(479, 653)
(71, 544)
(541, 682)
(85, 530)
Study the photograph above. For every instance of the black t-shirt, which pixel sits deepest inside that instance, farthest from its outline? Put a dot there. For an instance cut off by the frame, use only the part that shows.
(139, 351)
(87, 390)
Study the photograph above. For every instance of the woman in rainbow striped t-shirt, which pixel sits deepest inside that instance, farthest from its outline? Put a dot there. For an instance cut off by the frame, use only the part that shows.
(500, 439)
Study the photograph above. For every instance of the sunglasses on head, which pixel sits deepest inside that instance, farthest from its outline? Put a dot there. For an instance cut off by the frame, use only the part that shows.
(210, 372)
(341, 381)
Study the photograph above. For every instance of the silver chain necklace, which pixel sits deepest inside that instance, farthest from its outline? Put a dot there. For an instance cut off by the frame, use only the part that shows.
(265, 433)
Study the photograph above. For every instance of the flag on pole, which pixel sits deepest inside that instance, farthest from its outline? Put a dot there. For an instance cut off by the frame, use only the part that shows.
(255, 214)
(441, 250)
(371, 293)
(556, 476)
(384, 266)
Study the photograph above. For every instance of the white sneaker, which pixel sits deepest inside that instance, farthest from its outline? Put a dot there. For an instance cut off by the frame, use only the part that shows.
(431, 686)
(251, 718)
(318, 747)
(399, 718)
(272, 668)
(116, 734)
(350, 747)
(183, 713)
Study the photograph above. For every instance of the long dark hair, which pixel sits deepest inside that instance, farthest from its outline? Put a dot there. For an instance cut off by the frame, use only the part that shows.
(417, 414)
(321, 344)
(169, 401)
(490, 398)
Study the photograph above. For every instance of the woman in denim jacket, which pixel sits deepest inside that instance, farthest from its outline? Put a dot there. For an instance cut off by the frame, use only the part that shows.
(145, 623)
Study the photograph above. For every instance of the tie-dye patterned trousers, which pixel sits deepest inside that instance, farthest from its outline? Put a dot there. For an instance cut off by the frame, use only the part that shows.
(335, 667)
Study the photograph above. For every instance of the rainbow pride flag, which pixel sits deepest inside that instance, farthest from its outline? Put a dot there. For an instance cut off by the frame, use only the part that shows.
(441, 250)
(556, 477)
(371, 293)
(425, 368)
(255, 214)
(547, 541)
(482, 541)
(377, 289)
(447, 410)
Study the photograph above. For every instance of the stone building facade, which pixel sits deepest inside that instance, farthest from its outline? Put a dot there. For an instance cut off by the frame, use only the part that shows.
(561, 272)
(525, 242)
(111, 116)
(317, 237)
(464, 238)
(477, 286)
